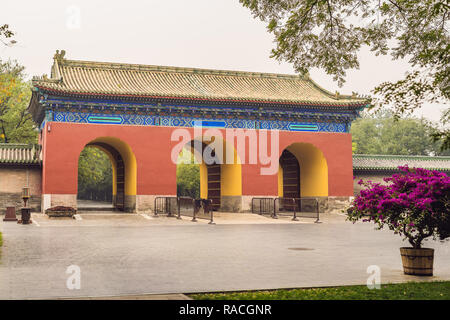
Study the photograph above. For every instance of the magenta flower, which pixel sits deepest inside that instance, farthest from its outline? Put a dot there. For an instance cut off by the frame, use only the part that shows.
(415, 197)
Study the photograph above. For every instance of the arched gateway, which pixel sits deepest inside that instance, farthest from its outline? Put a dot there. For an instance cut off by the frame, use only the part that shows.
(139, 114)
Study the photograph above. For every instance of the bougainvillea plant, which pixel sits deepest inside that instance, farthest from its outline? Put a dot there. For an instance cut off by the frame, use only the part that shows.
(414, 203)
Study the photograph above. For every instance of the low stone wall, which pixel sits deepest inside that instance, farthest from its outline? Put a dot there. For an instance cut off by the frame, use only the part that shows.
(15, 200)
(247, 202)
(335, 204)
(376, 177)
(54, 200)
(146, 203)
(12, 180)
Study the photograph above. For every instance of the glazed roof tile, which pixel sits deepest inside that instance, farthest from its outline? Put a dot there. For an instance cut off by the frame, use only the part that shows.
(392, 162)
(11, 153)
(118, 79)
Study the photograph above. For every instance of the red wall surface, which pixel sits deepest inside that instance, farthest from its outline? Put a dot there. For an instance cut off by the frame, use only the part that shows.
(156, 174)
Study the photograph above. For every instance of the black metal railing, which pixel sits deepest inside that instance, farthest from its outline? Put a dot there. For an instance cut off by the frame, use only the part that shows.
(262, 206)
(184, 206)
(304, 207)
(165, 205)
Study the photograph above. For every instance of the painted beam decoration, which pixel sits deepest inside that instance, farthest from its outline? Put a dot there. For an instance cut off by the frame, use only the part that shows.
(184, 121)
(194, 116)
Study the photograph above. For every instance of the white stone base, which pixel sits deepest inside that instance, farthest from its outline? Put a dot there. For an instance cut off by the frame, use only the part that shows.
(146, 203)
(247, 202)
(53, 200)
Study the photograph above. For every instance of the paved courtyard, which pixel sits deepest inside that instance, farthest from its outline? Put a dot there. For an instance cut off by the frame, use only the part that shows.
(126, 254)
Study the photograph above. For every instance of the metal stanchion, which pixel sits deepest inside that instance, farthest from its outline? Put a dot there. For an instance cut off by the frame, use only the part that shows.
(155, 209)
(317, 210)
(294, 218)
(169, 207)
(211, 212)
(274, 215)
(178, 208)
(194, 219)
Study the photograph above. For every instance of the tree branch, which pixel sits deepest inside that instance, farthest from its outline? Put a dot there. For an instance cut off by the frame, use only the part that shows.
(331, 18)
(307, 14)
(400, 9)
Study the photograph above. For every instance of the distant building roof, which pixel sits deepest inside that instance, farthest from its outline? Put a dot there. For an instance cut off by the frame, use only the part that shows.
(363, 162)
(120, 80)
(12, 154)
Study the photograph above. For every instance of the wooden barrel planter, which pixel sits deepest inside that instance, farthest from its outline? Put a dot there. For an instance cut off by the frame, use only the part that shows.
(418, 262)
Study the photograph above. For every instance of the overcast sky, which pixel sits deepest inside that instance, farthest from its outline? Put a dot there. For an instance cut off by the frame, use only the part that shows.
(214, 34)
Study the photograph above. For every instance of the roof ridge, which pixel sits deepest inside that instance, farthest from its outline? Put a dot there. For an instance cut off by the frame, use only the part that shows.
(399, 156)
(17, 145)
(20, 153)
(222, 72)
(149, 67)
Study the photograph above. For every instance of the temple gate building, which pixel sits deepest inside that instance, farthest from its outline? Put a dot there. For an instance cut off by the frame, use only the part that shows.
(131, 111)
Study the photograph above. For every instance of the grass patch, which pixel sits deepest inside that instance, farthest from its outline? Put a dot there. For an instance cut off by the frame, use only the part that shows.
(438, 290)
(1, 239)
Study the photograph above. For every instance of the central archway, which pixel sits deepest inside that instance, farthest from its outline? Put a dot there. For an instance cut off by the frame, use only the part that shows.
(124, 171)
(220, 180)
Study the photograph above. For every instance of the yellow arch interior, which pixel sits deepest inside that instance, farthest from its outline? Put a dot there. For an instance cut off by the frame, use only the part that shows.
(129, 160)
(313, 171)
(280, 181)
(231, 174)
(203, 181)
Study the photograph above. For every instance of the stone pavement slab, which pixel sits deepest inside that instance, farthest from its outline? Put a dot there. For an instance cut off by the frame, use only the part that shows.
(178, 296)
(132, 255)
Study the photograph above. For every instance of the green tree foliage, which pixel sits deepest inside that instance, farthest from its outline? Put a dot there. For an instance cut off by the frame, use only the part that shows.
(188, 180)
(380, 133)
(188, 175)
(328, 34)
(16, 124)
(94, 175)
(5, 35)
(443, 134)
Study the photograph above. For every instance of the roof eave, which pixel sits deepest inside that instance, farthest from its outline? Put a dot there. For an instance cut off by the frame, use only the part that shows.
(357, 104)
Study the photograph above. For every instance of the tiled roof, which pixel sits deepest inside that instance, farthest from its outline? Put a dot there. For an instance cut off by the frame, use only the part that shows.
(11, 153)
(392, 162)
(146, 81)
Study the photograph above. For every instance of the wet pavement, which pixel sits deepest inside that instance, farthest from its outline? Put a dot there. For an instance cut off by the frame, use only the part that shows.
(131, 254)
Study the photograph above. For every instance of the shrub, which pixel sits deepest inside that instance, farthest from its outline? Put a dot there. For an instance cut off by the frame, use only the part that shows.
(414, 204)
